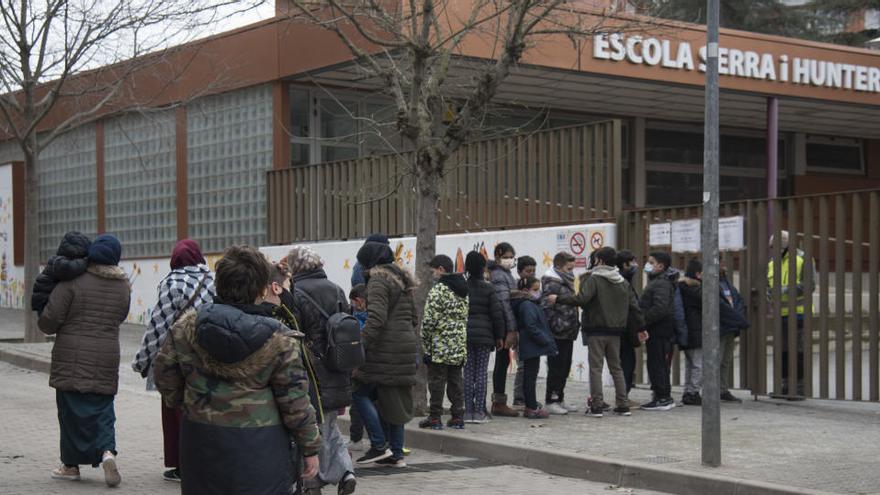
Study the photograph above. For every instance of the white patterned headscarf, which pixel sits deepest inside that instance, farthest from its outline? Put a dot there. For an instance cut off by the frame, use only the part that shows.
(303, 259)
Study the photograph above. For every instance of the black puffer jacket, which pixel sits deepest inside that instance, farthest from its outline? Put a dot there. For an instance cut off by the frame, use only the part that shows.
(656, 303)
(334, 387)
(692, 297)
(485, 315)
(68, 263)
(564, 322)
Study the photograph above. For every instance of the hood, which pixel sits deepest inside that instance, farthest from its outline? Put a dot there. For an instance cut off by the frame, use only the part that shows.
(518, 297)
(186, 253)
(74, 245)
(112, 272)
(671, 274)
(317, 273)
(609, 273)
(193, 270)
(232, 343)
(690, 282)
(373, 254)
(551, 273)
(456, 283)
(395, 275)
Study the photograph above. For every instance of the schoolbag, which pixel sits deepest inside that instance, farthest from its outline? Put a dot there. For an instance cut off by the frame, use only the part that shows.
(345, 350)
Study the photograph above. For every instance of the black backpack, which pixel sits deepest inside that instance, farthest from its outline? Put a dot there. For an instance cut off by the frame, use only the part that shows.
(344, 351)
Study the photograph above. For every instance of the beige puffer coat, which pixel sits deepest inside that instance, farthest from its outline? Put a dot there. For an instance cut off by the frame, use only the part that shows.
(85, 314)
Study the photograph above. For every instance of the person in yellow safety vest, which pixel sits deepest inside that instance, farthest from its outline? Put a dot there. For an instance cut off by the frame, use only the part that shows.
(803, 291)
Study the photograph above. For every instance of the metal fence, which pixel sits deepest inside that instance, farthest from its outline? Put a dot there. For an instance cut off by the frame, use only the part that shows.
(838, 232)
(555, 176)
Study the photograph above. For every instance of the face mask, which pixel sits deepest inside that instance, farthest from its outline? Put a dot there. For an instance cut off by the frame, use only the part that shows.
(649, 268)
(535, 296)
(286, 299)
(631, 271)
(508, 263)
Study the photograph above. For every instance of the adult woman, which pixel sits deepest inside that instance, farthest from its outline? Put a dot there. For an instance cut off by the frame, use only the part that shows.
(190, 284)
(242, 386)
(392, 349)
(85, 314)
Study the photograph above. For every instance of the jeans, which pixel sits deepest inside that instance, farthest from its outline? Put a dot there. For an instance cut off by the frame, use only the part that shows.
(499, 375)
(658, 366)
(356, 429)
(443, 378)
(558, 368)
(693, 371)
(602, 349)
(728, 342)
(628, 364)
(476, 373)
(530, 380)
(335, 462)
(376, 428)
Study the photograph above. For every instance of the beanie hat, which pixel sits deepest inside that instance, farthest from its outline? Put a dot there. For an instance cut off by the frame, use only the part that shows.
(105, 250)
(186, 253)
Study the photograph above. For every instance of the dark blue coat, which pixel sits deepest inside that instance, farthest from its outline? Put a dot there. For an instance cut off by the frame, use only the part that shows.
(732, 317)
(535, 338)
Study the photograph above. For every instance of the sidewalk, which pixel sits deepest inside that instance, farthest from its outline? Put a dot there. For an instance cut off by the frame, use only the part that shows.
(815, 445)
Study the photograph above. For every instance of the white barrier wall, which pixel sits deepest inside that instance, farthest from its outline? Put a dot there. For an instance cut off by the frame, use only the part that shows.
(11, 276)
(541, 244)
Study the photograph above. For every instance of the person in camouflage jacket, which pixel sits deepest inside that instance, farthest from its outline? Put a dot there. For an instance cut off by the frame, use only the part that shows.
(444, 342)
(238, 375)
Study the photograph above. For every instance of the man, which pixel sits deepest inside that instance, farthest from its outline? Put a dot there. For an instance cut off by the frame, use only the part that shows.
(607, 302)
(732, 313)
(564, 324)
(444, 342)
(803, 291)
(657, 308)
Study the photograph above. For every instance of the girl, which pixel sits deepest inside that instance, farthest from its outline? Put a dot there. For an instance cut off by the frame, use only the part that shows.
(535, 339)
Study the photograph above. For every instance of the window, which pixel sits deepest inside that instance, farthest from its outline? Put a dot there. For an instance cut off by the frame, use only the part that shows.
(835, 154)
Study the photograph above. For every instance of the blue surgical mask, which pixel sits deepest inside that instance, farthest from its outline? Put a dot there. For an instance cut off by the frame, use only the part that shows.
(649, 268)
(535, 296)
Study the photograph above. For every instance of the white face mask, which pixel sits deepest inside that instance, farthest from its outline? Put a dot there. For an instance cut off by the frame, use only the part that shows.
(508, 263)
(649, 268)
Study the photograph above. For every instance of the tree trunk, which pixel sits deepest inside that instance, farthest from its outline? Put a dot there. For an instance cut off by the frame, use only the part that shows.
(31, 238)
(426, 245)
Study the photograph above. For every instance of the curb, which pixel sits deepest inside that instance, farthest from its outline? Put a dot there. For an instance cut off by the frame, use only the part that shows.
(628, 474)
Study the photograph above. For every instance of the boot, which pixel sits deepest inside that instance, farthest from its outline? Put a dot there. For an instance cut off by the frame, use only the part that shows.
(500, 408)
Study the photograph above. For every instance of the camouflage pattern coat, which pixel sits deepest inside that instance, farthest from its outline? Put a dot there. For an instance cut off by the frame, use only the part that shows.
(444, 328)
(241, 383)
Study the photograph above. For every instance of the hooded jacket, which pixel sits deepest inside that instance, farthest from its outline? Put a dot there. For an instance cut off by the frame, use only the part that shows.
(389, 336)
(444, 326)
(657, 303)
(535, 339)
(563, 320)
(607, 301)
(239, 378)
(485, 323)
(504, 284)
(68, 263)
(334, 386)
(84, 314)
(691, 291)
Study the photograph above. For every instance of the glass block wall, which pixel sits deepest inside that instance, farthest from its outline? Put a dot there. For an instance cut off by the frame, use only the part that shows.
(229, 141)
(140, 178)
(68, 189)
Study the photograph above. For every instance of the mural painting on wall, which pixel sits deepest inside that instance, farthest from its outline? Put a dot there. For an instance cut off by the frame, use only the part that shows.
(11, 276)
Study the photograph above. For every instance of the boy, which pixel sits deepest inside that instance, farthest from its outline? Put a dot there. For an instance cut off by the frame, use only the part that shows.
(657, 303)
(564, 325)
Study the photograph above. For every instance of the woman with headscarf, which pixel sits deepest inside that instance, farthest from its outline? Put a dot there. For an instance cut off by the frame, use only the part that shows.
(84, 314)
(392, 352)
(189, 285)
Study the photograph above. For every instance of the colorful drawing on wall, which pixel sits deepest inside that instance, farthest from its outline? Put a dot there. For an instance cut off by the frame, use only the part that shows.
(345, 265)
(548, 261)
(459, 261)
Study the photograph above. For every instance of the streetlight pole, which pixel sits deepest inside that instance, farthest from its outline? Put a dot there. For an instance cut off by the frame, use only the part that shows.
(711, 431)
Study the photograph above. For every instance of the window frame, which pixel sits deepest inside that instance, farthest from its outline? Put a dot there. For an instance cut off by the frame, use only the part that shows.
(836, 141)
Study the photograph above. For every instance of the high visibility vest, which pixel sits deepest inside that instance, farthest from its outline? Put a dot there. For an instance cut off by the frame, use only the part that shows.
(783, 303)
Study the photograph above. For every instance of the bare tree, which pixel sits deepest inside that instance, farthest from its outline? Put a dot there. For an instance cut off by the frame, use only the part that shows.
(66, 62)
(414, 49)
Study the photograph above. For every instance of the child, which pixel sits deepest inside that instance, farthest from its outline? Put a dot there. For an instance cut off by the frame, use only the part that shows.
(535, 340)
(358, 298)
(69, 263)
(444, 342)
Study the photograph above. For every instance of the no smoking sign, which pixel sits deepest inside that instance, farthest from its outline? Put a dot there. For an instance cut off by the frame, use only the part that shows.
(578, 243)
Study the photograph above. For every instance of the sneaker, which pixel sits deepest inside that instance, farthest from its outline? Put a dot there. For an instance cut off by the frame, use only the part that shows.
(395, 462)
(595, 412)
(358, 446)
(469, 418)
(432, 423)
(557, 409)
(66, 473)
(455, 423)
(111, 471)
(519, 404)
(622, 411)
(406, 452)
(374, 455)
(692, 399)
(659, 405)
(172, 475)
(729, 397)
(347, 485)
(570, 407)
(481, 418)
(539, 413)
(605, 406)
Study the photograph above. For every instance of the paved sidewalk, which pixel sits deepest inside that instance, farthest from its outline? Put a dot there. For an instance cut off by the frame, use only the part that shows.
(819, 445)
(29, 450)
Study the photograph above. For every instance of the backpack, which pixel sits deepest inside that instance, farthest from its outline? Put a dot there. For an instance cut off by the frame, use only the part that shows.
(345, 350)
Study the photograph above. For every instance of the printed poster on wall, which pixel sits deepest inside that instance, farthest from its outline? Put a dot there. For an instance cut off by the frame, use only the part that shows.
(686, 236)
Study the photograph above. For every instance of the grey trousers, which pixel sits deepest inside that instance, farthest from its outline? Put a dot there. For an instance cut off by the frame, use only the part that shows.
(725, 352)
(693, 371)
(602, 349)
(333, 456)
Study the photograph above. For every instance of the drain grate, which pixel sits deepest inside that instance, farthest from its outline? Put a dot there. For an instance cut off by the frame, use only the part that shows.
(427, 467)
(659, 459)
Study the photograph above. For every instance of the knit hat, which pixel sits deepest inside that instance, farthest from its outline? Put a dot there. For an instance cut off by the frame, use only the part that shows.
(378, 238)
(186, 253)
(374, 253)
(303, 259)
(105, 250)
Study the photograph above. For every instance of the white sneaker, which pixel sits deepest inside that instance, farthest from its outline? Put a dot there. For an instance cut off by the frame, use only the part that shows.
(358, 446)
(557, 409)
(111, 471)
(570, 407)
